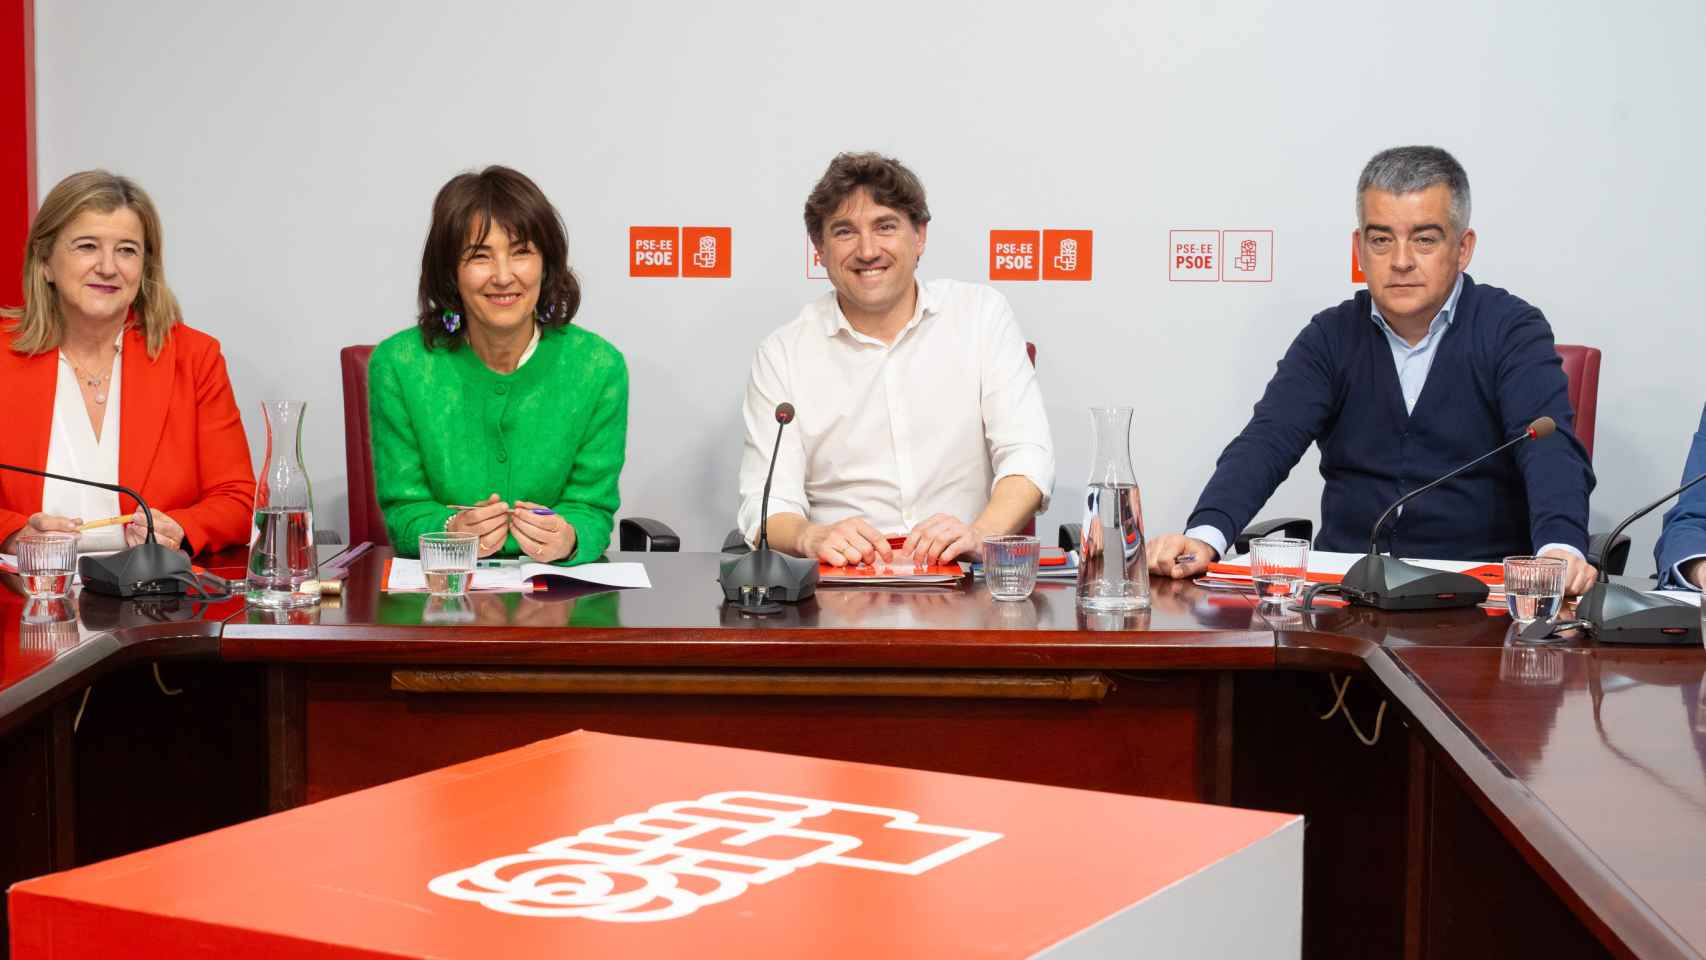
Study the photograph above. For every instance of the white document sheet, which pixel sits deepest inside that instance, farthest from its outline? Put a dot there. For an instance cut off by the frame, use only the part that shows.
(508, 576)
(1690, 597)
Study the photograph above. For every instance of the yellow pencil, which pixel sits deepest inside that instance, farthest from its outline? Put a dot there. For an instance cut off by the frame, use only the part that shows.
(109, 521)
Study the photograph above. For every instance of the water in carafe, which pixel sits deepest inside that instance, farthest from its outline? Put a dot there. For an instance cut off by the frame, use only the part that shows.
(1113, 573)
(281, 551)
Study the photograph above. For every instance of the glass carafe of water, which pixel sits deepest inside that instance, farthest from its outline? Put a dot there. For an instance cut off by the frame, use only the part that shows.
(281, 552)
(1113, 574)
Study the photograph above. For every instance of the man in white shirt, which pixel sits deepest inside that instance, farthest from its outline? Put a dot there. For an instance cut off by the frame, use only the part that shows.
(917, 410)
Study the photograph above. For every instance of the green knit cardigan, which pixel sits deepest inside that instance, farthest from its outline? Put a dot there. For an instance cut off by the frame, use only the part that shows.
(447, 429)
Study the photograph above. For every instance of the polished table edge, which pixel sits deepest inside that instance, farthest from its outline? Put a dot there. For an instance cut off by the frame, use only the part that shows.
(728, 647)
(1594, 892)
(100, 655)
(1591, 888)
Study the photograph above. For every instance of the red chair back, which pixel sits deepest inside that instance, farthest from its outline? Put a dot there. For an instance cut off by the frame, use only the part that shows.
(365, 520)
(1030, 529)
(1581, 366)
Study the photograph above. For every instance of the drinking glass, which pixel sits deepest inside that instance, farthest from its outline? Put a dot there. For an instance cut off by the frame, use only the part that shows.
(447, 560)
(1534, 588)
(46, 562)
(1010, 566)
(1278, 567)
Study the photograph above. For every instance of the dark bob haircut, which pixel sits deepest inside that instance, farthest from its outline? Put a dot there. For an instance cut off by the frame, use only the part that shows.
(474, 202)
(890, 183)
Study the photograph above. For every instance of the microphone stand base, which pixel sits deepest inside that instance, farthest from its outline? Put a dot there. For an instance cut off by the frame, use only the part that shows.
(1621, 615)
(764, 577)
(1387, 583)
(147, 569)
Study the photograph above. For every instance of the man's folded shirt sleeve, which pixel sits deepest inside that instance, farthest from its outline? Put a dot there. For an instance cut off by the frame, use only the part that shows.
(1684, 535)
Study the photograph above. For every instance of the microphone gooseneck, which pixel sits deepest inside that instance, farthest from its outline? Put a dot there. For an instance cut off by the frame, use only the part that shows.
(1649, 508)
(147, 568)
(1616, 613)
(784, 416)
(1538, 429)
(115, 487)
(758, 583)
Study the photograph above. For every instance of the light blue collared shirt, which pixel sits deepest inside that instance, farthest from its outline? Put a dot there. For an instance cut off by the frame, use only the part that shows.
(1413, 362)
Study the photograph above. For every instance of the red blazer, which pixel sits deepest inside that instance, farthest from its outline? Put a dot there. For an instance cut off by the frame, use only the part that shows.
(180, 444)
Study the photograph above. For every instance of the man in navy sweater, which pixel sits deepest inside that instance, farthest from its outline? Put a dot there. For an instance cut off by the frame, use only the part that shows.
(1421, 373)
(1681, 550)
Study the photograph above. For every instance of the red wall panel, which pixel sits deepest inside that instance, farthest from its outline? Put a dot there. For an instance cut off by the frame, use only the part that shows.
(17, 140)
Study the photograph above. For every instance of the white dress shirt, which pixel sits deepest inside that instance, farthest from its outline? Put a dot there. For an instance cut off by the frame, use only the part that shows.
(72, 450)
(895, 433)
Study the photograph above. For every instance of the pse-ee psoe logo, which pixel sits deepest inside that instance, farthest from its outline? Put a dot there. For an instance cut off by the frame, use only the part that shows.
(1220, 256)
(1041, 254)
(680, 251)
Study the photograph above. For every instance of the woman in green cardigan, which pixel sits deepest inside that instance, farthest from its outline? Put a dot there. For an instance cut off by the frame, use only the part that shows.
(494, 415)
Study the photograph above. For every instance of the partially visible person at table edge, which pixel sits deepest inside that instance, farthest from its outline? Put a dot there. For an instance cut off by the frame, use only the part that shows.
(106, 382)
(1681, 550)
(493, 415)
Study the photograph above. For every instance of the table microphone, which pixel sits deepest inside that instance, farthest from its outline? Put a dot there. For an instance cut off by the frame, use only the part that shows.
(1387, 583)
(759, 582)
(145, 569)
(1617, 614)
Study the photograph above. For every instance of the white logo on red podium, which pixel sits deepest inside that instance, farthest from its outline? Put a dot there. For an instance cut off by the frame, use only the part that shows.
(676, 857)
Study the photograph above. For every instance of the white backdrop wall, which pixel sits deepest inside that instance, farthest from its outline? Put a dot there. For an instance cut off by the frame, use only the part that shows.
(295, 149)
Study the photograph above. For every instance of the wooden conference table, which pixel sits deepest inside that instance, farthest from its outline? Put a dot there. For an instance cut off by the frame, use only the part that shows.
(1514, 799)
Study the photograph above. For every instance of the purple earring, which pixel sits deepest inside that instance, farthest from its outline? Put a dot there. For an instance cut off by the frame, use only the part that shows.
(452, 321)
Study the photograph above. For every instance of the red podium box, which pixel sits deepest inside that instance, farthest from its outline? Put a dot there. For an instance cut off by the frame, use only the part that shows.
(596, 845)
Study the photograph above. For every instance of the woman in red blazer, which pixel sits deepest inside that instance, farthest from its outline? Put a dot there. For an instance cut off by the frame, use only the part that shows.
(97, 309)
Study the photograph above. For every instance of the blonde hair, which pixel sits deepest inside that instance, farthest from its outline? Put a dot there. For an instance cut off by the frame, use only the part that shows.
(40, 324)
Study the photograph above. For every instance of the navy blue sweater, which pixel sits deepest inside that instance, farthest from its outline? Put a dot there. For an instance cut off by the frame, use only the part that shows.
(1495, 370)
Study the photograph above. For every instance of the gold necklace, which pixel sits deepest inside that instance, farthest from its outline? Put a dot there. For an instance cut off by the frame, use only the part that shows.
(98, 384)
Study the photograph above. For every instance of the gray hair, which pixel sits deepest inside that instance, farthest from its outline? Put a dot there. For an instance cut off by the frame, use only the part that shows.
(1402, 170)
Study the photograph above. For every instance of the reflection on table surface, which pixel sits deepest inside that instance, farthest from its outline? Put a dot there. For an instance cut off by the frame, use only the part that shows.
(36, 632)
(1612, 740)
(684, 594)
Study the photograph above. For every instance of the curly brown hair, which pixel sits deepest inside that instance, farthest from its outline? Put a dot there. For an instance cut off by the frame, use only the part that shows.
(891, 185)
(516, 204)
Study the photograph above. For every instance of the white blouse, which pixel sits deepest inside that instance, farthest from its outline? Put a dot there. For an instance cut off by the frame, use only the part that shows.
(73, 450)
